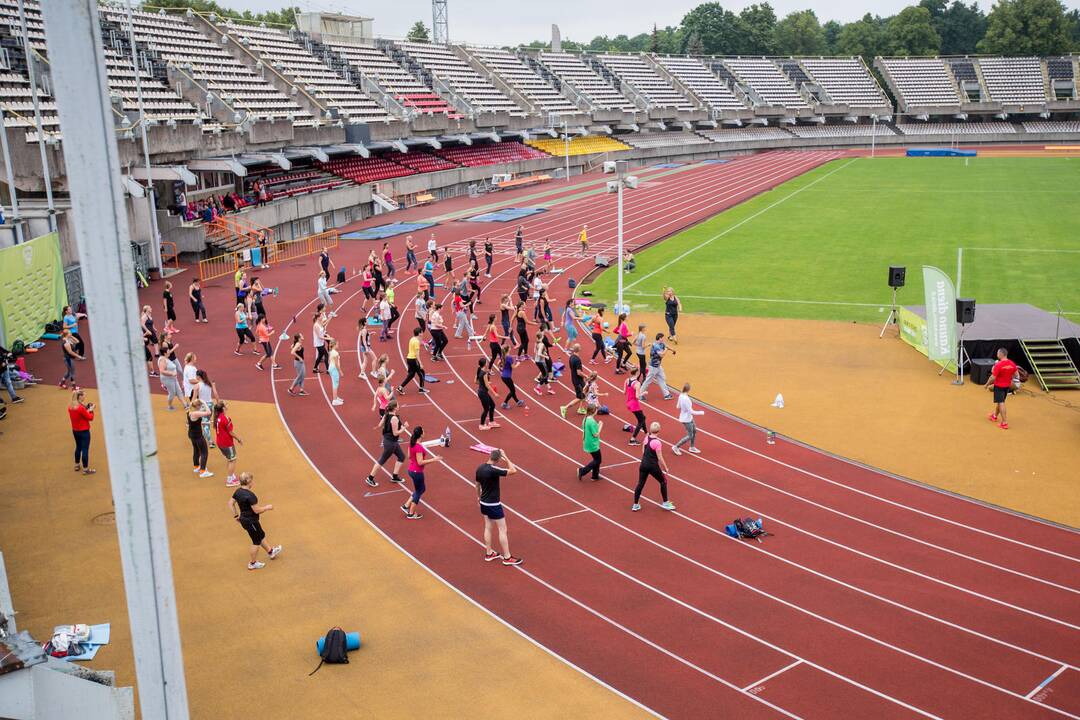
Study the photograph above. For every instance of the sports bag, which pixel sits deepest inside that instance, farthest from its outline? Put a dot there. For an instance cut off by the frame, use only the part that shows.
(333, 649)
(746, 528)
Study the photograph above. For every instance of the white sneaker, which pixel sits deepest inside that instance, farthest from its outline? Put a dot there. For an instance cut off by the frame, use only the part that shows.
(694, 451)
(256, 565)
(676, 450)
(231, 481)
(339, 401)
(275, 551)
(206, 474)
(362, 376)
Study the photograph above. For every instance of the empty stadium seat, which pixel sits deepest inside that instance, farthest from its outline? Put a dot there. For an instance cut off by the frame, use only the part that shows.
(578, 145)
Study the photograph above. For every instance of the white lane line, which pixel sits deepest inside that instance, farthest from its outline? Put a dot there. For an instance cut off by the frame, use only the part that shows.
(771, 676)
(625, 462)
(739, 224)
(756, 299)
(565, 514)
(1046, 682)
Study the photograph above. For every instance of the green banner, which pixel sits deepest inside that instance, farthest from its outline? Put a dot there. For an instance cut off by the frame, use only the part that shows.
(940, 315)
(913, 329)
(31, 288)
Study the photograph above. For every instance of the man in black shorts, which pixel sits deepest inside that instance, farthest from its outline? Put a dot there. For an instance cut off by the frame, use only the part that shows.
(578, 380)
(487, 487)
(246, 510)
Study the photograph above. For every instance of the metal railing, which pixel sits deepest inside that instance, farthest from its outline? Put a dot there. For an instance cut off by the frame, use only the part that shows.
(230, 262)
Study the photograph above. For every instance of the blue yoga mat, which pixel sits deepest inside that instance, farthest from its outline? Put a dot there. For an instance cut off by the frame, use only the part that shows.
(352, 642)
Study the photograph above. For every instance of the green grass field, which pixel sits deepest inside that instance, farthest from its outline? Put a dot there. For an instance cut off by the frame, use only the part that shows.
(818, 247)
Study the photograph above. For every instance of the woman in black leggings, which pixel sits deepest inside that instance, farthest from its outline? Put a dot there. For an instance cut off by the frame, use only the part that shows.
(199, 449)
(522, 330)
(652, 465)
(632, 388)
(508, 365)
(596, 327)
(672, 307)
(483, 391)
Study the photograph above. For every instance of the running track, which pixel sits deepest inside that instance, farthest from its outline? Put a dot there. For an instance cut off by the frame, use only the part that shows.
(875, 597)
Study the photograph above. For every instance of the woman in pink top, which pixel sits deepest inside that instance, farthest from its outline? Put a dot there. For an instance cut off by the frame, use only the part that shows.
(383, 395)
(367, 284)
(632, 388)
(388, 260)
(418, 458)
(622, 344)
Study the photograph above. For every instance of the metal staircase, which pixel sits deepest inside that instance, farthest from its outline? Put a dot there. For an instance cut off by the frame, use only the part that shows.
(1051, 364)
(232, 233)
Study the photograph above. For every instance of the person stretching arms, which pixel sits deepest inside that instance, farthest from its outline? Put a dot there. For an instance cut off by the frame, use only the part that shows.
(418, 458)
(686, 417)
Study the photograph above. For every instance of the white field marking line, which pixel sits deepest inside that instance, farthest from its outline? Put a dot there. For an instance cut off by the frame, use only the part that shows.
(959, 269)
(565, 514)
(1046, 682)
(823, 575)
(740, 223)
(718, 573)
(754, 299)
(517, 631)
(432, 508)
(693, 609)
(784, 669)
(1023, 250)
(868, 523)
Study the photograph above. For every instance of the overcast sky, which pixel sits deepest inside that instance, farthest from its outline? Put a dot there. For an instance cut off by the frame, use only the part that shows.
(480, 21)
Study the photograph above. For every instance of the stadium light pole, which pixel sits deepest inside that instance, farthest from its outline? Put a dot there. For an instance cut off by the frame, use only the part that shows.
(566, 143)
(621, 168)
(873, 135)
(151, 201)
(73, 33)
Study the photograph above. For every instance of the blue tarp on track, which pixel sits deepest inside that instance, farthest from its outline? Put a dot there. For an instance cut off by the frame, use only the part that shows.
(384, 231)
(713, 162)
(939, 152)
(505, 215)
(668, 165)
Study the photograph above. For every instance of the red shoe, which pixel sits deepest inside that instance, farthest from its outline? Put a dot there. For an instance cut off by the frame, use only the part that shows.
(512, 560)
(491, 555)
(1004, 426)
(992, 417)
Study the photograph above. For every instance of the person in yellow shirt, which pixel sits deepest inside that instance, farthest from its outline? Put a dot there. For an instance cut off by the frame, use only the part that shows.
(583, 238)
(412, 362)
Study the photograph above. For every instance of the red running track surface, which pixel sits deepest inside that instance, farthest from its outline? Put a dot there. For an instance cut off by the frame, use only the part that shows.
(875, 597)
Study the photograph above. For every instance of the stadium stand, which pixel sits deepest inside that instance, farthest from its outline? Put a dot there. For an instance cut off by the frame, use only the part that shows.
(570, 69)
(765, 80)
(35, 24)
(747, 133)
(440, 62)
(701, 81)
(290, 183)
(846, 81)
(159, 100)
(423, 162)
(1052, 126)
(515, 73)
(179, 44)
(288, 56)
(364, 170)
(845, 130)
(391, 78)
(921, 82)
(489, 154)
(1014, 81)
(663, 139)
(956, 128)
(1060, 68)
(579, 145)
(632, 70)
(19, 109)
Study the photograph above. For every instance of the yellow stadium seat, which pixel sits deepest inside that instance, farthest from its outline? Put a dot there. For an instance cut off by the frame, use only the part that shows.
(579, 145)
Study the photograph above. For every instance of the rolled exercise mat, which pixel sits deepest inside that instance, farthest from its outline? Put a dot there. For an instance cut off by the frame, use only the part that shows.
(352, 642)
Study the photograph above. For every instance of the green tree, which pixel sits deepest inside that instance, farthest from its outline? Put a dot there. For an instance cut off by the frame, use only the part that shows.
(1072, 19)
(654, 40)
(832, 31)
(418, 33)
(717, 29)
(862, 37)
(800, 33)
(759, 26)
(669, 40)
(911, 32)
(694, 46)
(961, 27)
(1026, 27)
(285, 16)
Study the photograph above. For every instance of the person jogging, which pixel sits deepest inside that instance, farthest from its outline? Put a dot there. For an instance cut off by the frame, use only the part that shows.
(196, 300)
(1001, 377)
(488, 475)
(507, 375)
(247, 511)
(632, 388)
(297, 352)
(483, 392)
(418, 458)
(227, 440)
(577, 380)
(199, 448)
(412, 362)
(656, 369)
(652, 465)
(672, 308)
(392, 427)
(81, 414)
(639, 349)
(590, 442)
(686, 417)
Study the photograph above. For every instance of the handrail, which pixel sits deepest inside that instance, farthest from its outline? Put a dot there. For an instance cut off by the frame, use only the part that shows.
(207, 88)
(228, 263)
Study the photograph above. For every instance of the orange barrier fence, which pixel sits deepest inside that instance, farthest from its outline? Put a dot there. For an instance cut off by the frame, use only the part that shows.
(170, 258)
(230, 262)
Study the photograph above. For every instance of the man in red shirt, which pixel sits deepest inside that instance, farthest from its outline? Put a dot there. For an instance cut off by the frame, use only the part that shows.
(1001, 378)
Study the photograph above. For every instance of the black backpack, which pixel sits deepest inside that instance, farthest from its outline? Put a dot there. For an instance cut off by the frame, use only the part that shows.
(341, 274)
(333, 649)
(749, 529)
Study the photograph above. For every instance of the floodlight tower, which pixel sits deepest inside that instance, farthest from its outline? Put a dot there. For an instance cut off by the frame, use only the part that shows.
(440, 29)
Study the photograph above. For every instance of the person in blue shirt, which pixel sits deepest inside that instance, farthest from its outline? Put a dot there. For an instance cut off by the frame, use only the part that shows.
(656, 370)
(429, 275)
(71, 324)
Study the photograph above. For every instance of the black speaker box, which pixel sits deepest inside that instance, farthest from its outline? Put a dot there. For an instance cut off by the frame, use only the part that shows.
(965, 310)
(897, 275)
